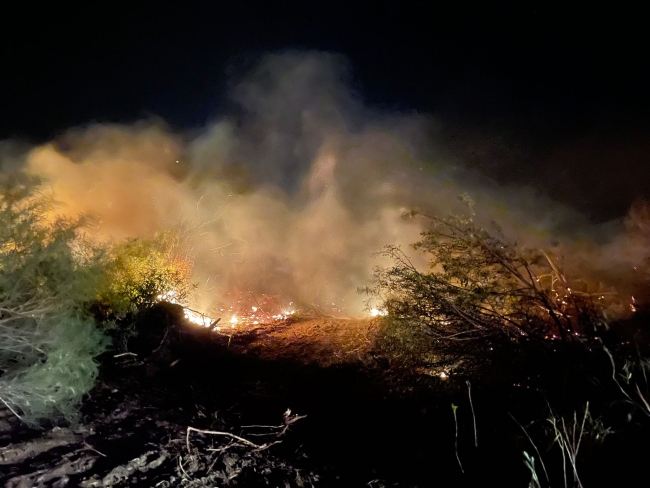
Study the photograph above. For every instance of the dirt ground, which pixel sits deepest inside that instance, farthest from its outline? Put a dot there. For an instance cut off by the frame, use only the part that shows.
(297, 403)
(141, 428)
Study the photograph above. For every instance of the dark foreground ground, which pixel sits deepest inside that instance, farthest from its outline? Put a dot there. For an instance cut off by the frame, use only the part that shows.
(362, 426)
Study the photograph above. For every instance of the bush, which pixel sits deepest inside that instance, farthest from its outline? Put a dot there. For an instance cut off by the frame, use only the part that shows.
(138, 273)
(51, 387)
(48, 277)
(478, 286)
(54, 285)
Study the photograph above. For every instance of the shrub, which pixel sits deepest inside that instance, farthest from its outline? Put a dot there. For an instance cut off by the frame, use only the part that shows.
(478, 286)
(50, 384)
(54, 284)
(140, 272)
(48, 276)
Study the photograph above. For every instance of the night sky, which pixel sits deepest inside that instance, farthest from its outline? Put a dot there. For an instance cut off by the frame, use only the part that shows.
(539, 96)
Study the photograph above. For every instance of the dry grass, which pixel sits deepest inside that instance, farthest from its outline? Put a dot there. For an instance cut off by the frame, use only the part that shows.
(325, 341)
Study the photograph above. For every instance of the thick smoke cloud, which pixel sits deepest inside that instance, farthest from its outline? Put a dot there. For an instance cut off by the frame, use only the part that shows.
(292, 192)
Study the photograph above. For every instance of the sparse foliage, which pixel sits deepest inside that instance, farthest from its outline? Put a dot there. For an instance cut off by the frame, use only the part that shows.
(632, 381)
(570, 433)
(479, 285)
(478, 293)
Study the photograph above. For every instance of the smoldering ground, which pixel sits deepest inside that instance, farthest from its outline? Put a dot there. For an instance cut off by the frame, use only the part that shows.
(292, 192)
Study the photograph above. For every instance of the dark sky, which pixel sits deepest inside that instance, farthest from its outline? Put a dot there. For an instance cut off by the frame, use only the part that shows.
(549, 97)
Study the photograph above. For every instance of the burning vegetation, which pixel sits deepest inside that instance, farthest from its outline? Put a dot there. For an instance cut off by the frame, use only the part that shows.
(477, 299)
(254, 238)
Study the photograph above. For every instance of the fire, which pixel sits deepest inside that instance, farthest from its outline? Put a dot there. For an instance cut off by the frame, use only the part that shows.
(377, 312)
(191, 315)
(197, 318)
(267, 311)
(241, 316)
(243, 310)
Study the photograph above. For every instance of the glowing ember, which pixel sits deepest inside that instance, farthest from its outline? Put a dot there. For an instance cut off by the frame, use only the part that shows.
(191, 315)
(376, 312)
(197, 318)
(242, 314)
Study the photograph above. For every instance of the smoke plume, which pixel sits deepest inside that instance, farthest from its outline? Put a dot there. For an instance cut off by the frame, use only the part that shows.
(292, 192)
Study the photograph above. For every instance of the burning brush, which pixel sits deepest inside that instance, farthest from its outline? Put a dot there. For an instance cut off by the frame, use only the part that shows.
(241, 314)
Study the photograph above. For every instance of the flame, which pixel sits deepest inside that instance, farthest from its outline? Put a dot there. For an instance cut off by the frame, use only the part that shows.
(193, 316)
(377, 312)
(197, 318)
(241, 316)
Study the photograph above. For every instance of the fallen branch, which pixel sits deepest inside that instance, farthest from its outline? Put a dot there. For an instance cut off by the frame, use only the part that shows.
(126, 354)
(288, 421)
(216, 432)
(93, 449)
